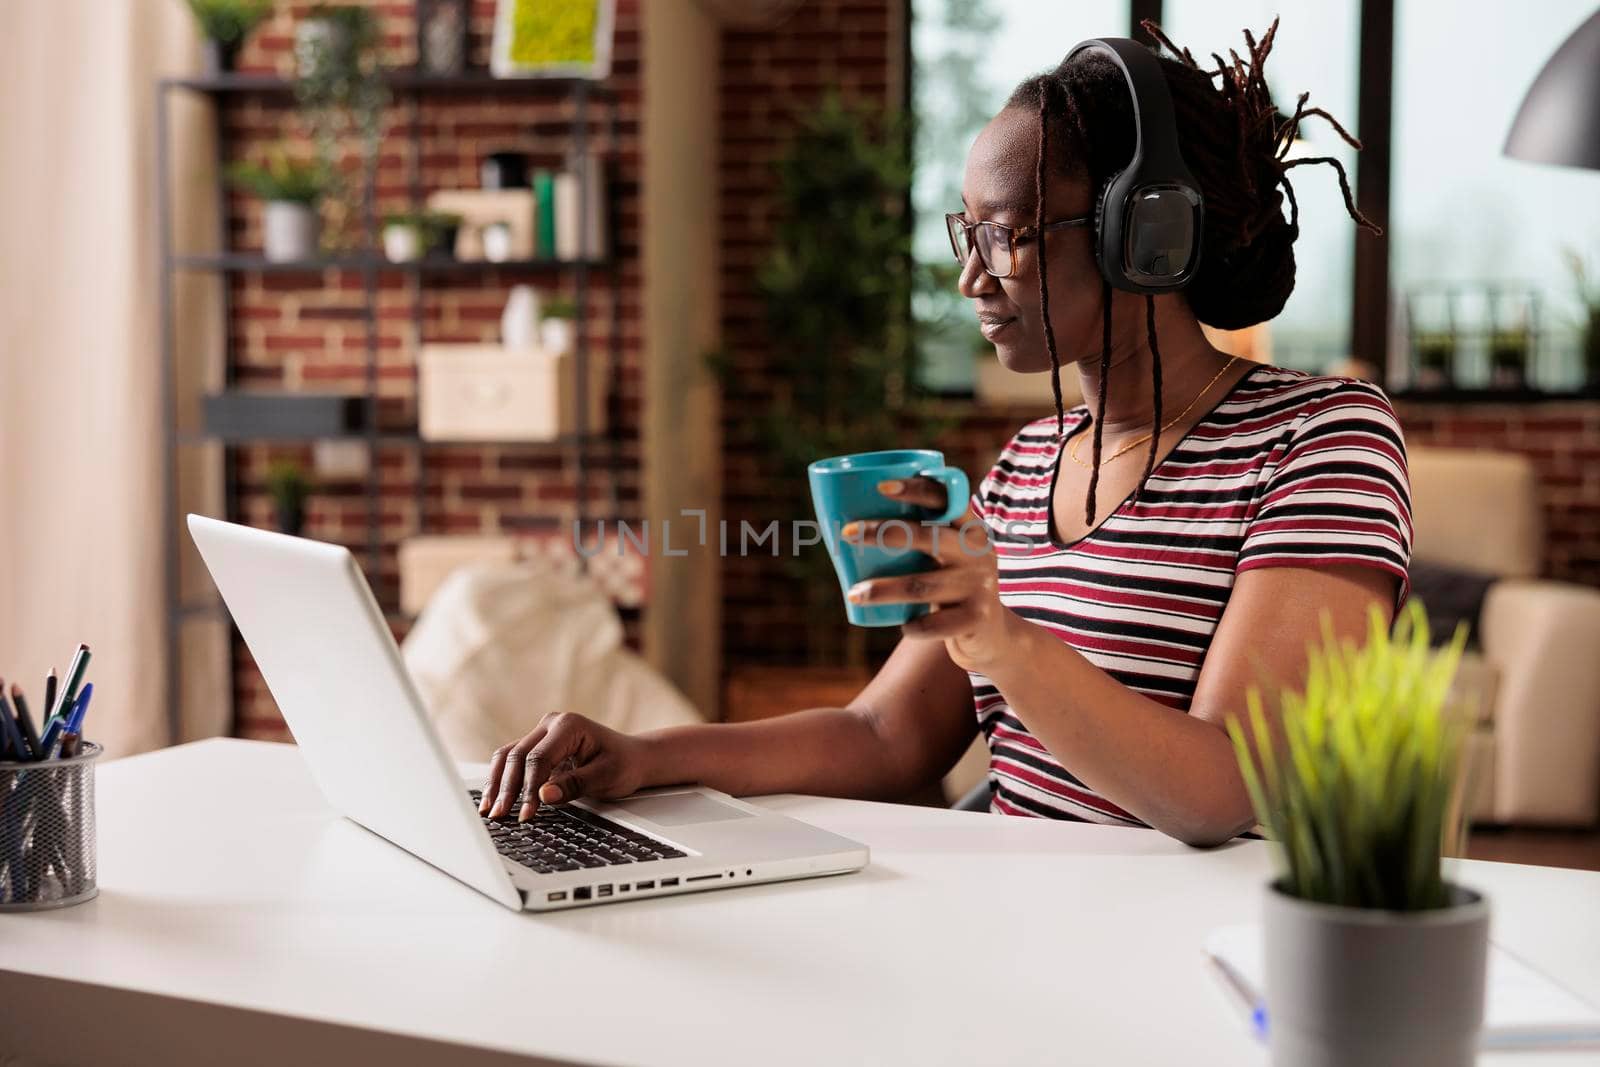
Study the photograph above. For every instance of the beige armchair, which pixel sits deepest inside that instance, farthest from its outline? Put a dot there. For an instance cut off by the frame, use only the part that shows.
(1536, 679)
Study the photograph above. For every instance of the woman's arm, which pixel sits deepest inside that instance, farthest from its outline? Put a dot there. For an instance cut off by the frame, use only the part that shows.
(1177, 771)
(906, 728)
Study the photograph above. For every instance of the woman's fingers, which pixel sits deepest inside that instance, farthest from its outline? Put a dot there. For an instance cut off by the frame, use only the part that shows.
(943, 622)
(948, 585)
(920, 491)
(503, 769)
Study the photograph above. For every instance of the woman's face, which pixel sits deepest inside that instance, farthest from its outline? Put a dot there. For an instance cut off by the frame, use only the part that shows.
(999, 187)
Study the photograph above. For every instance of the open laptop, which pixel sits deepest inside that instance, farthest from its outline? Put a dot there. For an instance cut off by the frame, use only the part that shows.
(328, 657)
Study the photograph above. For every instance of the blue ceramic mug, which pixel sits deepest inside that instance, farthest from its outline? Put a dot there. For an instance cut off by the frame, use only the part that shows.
(845, 488)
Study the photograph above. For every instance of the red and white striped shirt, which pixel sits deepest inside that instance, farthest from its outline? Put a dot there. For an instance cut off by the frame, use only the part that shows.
(1288, 470)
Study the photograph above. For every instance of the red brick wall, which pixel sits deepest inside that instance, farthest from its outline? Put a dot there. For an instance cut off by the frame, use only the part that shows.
(768, 77)
(307, 331)
(1562, 439)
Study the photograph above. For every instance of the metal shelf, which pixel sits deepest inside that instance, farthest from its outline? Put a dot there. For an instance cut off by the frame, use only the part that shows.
(241, 262)
(400, 80)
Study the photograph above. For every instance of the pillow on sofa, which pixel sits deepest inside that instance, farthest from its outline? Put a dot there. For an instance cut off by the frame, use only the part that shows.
(1450, 596)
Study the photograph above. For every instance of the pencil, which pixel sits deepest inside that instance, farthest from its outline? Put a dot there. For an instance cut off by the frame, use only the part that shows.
(24, 719)
(49, 698)
(69, 688)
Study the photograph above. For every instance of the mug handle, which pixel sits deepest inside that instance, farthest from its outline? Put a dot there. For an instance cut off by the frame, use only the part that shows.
(956, 491)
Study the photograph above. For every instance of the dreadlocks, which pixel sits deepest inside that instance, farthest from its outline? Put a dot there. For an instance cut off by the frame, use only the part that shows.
(1235, 142)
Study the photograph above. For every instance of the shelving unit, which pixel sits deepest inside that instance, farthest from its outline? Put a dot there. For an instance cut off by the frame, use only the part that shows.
(408, 88)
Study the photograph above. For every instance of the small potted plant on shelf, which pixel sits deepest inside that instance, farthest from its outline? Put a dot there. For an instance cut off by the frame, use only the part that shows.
(288, 485)
(558, 331)
(404, 237)
(1372, 957)
(226, 25)
(1587, 289)
(441, 228)
(1509, 351)
(291, 191)
(1435, 354)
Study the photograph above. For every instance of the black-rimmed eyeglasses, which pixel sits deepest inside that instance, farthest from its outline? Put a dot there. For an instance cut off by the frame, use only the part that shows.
(997, 243)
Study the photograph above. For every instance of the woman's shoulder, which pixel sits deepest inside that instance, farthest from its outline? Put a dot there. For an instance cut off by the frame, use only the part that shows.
(1295, 398)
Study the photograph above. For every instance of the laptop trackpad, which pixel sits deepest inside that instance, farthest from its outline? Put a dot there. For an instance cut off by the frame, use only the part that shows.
(681, 809)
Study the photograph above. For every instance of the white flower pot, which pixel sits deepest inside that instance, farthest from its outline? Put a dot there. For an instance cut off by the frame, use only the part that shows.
(1376, 988)
(402, 243)
(288, 231)
(557, 335)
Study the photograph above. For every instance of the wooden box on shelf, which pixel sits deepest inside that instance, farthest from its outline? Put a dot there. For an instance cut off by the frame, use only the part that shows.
(492, 393)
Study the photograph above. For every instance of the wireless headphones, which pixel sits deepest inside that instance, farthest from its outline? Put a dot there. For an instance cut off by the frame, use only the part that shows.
(1148, 219)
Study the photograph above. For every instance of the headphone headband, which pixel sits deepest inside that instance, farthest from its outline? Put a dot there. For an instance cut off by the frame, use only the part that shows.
(1149, 216)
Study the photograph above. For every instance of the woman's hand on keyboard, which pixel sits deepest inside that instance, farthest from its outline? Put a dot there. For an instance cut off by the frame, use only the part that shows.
(565, 757)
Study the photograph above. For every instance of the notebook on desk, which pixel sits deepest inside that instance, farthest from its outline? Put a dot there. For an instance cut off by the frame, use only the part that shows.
(1525, 1009)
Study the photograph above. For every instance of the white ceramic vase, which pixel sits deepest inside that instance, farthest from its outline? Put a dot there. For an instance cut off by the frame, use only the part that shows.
(288, 231)
(402, 243)
(557, 335)
(519, 322)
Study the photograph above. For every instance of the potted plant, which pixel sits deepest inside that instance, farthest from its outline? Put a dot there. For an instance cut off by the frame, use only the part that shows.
(1435, 353)
(440, 229)
(1372, 957)
(288, 486)
(225, 25)
(404, 237)
(1509, 351)
(340, 91)
(291, 191)
(1587, 289)
(558, 330)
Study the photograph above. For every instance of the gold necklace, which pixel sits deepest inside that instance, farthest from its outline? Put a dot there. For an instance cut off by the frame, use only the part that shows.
(1072, 449)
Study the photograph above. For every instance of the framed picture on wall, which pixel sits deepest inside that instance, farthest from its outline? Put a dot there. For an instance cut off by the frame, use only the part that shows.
(552, 38)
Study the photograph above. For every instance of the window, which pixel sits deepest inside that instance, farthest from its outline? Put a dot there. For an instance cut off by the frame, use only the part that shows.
(1315, 51)
(1476, 238)
(967, 56)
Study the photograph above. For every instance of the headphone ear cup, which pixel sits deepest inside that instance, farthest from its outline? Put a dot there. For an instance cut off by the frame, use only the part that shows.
(1106, 268)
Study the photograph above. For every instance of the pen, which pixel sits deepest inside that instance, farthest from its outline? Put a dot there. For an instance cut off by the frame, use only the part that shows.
(11, 743)
(69, 688)
(24, 719)
(74, 728)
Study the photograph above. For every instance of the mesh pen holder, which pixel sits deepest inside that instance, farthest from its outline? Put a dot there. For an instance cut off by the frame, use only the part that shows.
(47, 842)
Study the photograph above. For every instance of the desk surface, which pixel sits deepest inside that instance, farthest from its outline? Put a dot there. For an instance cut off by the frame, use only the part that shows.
(226, 880)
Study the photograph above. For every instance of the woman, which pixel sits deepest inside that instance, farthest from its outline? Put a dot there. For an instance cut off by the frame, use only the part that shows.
(1149, 568)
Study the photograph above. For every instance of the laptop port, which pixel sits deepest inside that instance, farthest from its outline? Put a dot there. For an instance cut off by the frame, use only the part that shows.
(647, 885)
(667, 883)
(703, 878)
(559, 894)
(581, 893)
(603, 890)
(624, 887)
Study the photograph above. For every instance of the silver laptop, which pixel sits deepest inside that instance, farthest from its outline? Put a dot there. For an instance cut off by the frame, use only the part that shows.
(331, 663)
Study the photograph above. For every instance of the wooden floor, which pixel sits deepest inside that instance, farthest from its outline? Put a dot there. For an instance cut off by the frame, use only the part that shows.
(1548, 848)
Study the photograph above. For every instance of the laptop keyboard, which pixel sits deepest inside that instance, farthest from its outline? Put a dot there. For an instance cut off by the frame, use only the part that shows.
(570, 838)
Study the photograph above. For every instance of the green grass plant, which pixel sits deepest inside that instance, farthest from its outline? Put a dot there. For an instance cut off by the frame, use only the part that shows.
(1360, 786)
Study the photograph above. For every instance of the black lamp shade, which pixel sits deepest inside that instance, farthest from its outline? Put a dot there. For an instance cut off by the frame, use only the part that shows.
(1559, 121)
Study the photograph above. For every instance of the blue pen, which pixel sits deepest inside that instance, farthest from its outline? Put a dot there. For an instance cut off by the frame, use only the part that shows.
(80, 710)
(51, 739)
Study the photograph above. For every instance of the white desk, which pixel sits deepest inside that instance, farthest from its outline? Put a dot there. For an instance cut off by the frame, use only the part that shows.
(236, 907)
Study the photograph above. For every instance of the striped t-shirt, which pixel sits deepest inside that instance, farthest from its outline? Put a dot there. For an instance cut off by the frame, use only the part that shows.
(1288, 470)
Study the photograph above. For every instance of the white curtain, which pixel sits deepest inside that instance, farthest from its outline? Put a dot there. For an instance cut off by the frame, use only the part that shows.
(81, 526)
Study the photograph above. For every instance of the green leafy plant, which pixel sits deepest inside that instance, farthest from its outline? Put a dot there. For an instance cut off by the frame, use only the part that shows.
(281, 178)
(229, 22)
(559, 307)
(1586, 287)
(1362, 793)
(836, 290)
(288, 485)
(340, 92)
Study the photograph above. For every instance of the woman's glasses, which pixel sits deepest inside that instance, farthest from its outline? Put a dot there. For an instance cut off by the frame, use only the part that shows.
(997, 244)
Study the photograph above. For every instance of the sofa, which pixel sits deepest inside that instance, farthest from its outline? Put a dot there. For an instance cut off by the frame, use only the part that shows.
(1534, 678)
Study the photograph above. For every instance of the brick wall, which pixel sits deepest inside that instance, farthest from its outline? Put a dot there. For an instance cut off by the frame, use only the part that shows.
(307, 330)
(1562, 440)
(769, 77)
